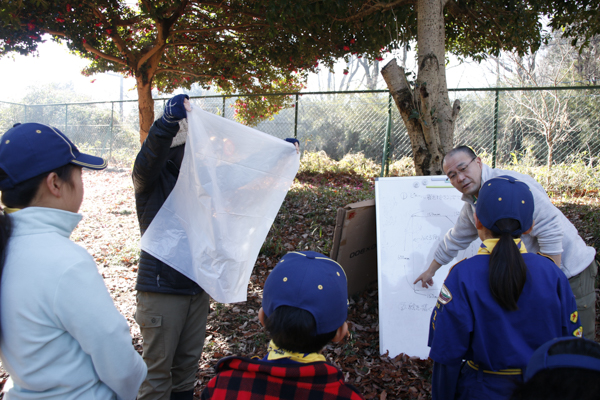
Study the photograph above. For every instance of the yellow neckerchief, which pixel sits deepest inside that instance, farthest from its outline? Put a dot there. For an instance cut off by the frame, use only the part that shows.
(275, 353)
(8, 210)
(488, 245)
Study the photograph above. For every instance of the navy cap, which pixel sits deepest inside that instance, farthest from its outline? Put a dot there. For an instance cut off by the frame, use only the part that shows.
(541, 360)
(505, 197)
(310, 281)
(28, 150)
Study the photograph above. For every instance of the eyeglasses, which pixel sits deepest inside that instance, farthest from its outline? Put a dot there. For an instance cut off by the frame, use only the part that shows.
(452, 175)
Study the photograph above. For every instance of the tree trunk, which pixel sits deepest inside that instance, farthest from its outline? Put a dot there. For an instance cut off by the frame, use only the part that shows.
(550, 156)
(426, 110)
(145, 107)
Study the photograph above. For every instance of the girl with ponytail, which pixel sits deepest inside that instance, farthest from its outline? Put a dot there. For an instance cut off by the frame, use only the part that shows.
(496, 308)
(60, 333)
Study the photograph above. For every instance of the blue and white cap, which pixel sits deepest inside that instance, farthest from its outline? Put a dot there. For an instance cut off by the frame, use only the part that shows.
(542, 359)
(30, 149)
(312, 282)
(505, 197)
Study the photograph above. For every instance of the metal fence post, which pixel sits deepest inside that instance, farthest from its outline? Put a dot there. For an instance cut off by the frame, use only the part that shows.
(296, 118)
(495, 143)
(385, 168)
(223, 106)
(112, 133)
(66, 118)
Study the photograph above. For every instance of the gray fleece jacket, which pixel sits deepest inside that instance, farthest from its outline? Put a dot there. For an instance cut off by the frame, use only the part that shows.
(552, 233)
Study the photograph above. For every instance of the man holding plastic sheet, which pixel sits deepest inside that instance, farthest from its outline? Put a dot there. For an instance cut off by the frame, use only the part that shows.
(171, 308)
(553, 235)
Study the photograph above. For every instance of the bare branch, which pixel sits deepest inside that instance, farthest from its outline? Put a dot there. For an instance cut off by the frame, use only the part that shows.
(369, 7)
(104, 55)
(176, 71)
(223, 28)
(225, 7)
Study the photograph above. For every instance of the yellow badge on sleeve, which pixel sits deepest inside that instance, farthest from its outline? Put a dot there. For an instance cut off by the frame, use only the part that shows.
(574, 317)
(578, 332)
(445, 295)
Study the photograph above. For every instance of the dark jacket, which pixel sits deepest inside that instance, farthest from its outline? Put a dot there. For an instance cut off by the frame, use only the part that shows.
(155, 173)
(255, 379)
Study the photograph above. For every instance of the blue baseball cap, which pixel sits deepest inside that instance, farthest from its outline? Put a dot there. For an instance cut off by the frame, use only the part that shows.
(541, 360)
(28, 150)
(310, 281)
(505, 197)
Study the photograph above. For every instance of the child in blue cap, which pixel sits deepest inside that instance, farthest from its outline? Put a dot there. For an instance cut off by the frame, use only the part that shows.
(566, 368)
(61, 336)
(496, 308)
(305, 306)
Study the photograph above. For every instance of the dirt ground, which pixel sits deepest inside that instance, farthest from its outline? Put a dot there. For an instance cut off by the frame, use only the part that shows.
(109, 231)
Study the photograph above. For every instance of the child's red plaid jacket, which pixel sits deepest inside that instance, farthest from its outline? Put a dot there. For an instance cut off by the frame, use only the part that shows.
(255, 379)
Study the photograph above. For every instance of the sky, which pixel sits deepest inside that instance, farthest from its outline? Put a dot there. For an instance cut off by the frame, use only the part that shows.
(54, 63)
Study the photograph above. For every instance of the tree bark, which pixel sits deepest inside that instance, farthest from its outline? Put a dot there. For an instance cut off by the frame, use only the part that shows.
(426, 110)
(145, 107)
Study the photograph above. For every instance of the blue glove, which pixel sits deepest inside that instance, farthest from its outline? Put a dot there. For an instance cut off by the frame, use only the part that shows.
(175, 110)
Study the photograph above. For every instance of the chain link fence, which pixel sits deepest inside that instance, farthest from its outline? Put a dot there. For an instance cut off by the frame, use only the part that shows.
(547, 125)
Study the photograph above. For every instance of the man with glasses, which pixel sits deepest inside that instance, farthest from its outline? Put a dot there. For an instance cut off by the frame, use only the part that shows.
(552, 235)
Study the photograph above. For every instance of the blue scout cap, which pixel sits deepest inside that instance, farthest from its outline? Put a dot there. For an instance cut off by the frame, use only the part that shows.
(28, 150)
(505, 197)
(310, 281)
(541, 360)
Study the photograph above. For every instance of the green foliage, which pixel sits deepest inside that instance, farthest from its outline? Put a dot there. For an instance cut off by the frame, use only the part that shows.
(403, 167)
(313, 163)
(477, 29)
(247, 47)
(252, 110)
(577, 19)
(344, 123)
(570, 178)
(255, 46)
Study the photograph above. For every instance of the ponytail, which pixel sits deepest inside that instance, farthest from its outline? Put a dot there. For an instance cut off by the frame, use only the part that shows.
(5, 231)
(507, 269)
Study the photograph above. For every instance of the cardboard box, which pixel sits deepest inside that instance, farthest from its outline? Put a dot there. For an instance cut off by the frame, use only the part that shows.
(355, 244)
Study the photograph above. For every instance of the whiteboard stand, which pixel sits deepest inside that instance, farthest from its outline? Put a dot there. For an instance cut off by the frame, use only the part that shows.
(413, 214)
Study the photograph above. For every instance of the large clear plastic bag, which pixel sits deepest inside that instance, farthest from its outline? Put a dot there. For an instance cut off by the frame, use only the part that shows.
(232, 182)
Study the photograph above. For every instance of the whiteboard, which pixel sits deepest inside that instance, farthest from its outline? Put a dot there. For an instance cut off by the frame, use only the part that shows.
(413, 215)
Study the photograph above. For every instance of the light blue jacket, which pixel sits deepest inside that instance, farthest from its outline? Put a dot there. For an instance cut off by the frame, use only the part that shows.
(61, 335)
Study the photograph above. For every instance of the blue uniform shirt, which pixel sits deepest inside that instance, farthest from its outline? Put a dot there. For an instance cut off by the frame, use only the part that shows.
(468, 324)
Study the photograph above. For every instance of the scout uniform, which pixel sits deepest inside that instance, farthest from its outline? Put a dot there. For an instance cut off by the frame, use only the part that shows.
(480, 348)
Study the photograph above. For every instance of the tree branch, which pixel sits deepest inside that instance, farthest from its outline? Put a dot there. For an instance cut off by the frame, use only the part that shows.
(222, 28)
(373, 6)
(224, 6)
(104, 55)
(176, 71)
